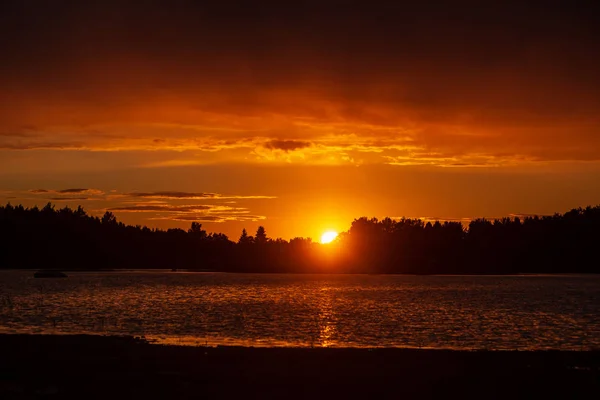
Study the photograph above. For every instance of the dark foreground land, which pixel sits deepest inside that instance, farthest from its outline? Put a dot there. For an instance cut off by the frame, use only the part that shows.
(86, 367)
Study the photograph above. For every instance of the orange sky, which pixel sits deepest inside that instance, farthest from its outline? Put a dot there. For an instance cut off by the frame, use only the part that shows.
(300, 117)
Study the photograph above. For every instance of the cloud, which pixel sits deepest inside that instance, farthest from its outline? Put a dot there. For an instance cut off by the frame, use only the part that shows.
(161, 208)
(156, 201)
(192, 195)
(35, 145)
(67, 191)
(173, 195)
(523, 216)
(150, 206)
(451, 78)
(286, 145)
(212, 218)
(464, 220)
(203, 212)
(68, 198)
(69, 194)
(73, 190)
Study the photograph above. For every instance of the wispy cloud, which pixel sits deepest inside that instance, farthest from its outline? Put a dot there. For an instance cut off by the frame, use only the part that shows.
(462, 220)
(194, 212)
(158, 205)
(192, 195)
(154, 198)
(70, 194)
(67, 191)
(212, 218)
(66, 198)
(173, 195)
(162, 208)
(315, 140)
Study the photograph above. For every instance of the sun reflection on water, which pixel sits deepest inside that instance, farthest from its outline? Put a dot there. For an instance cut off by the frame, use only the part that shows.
(311, 310)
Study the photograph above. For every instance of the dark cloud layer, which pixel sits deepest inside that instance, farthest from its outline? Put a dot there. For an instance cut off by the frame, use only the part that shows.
(460, 78)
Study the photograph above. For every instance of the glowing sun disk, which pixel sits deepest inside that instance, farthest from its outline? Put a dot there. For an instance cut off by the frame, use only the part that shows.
(328, 237)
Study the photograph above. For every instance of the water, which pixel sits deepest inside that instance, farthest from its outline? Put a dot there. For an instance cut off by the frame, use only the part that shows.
(459, 312)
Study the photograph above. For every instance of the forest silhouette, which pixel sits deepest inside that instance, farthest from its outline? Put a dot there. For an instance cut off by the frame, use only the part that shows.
(71, 239)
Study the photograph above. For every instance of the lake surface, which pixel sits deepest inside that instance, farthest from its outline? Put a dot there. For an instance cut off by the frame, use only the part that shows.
(459, 312)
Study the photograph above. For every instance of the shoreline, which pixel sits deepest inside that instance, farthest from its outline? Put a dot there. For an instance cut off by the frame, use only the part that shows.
(80, 366)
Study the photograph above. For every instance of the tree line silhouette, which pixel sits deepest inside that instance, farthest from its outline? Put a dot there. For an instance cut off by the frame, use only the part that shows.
(72, 239)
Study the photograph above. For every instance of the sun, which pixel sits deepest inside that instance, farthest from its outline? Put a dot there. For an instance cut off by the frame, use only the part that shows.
(328, 237)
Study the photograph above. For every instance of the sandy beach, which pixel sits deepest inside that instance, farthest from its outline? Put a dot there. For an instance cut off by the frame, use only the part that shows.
(84, 367)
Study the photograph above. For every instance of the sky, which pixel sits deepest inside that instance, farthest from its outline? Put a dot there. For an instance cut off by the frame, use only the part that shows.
(299, 116)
